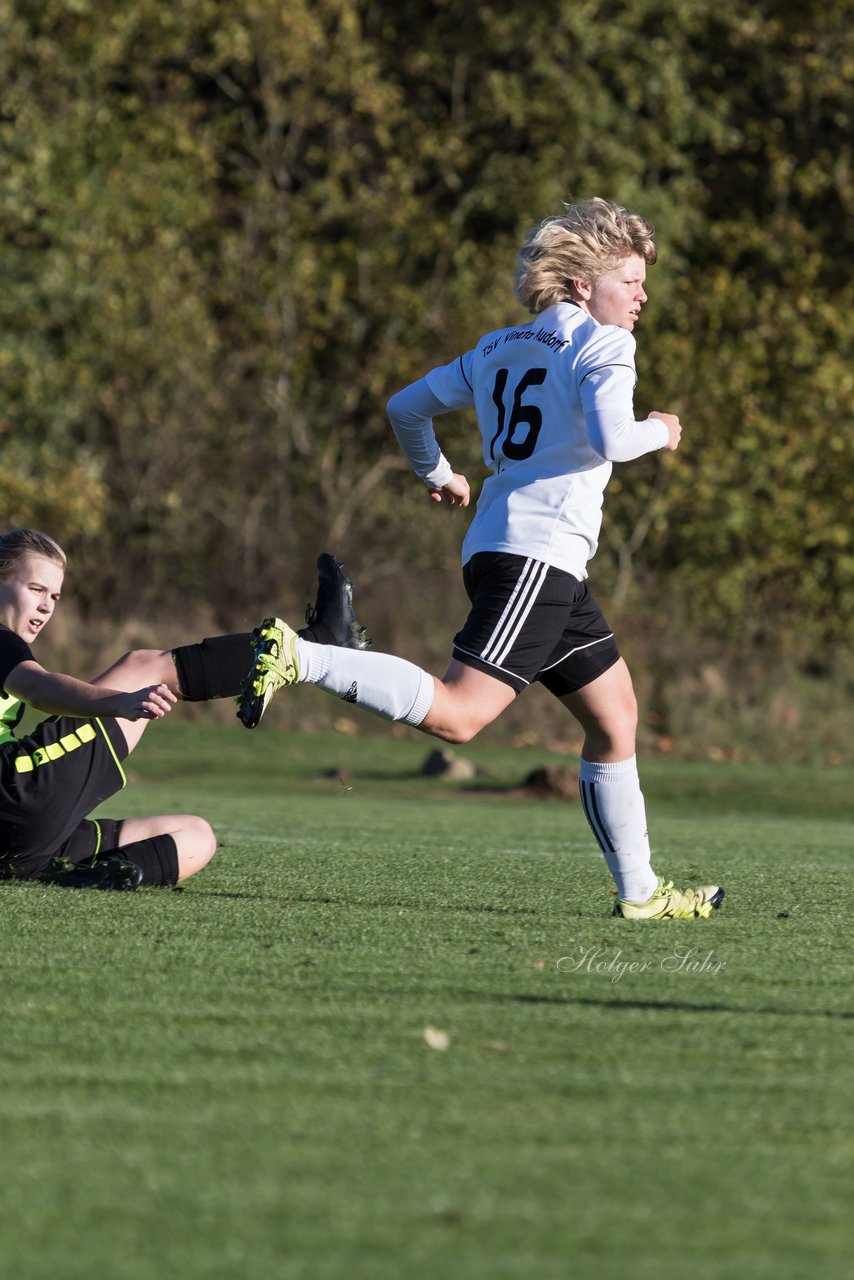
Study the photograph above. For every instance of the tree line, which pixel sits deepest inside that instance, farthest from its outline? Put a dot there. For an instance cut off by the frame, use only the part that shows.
(232, 228)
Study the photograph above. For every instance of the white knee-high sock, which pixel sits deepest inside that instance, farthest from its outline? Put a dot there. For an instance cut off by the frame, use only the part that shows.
(389, 687)
(614, 807)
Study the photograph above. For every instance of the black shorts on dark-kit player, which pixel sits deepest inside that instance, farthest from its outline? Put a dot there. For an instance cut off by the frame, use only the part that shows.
(49, 781)
(530, 621)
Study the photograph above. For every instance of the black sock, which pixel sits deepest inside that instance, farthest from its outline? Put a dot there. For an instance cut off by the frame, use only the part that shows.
(217, 667)
(157, 858)
(214, 668)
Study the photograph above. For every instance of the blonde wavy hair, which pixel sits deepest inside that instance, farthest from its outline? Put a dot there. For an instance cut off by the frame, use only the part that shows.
(18, 543)
(582, 243)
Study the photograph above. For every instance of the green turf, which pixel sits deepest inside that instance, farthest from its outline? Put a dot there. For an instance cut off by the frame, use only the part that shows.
(232, 1081)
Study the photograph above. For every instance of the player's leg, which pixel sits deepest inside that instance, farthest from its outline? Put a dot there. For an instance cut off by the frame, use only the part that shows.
(607, 711)
(515, 621)
(216, 667)
(123, 854)
(590, 678)
(614, 805)
(169, 848)
(465, 701)
(213, 668)
(455, 708)
(135, 670)
(609, 784)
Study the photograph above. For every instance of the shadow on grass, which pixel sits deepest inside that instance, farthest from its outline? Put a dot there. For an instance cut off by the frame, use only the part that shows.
(664, 1006)
(393, 903)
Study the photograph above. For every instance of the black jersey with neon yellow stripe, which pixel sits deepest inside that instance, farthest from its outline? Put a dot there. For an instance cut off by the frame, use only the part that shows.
(12, 651)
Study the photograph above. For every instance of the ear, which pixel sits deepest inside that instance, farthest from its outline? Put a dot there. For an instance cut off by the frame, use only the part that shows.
(581, 290)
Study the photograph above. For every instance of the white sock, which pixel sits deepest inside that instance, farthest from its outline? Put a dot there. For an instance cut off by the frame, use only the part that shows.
(389, 687)
(614, 807)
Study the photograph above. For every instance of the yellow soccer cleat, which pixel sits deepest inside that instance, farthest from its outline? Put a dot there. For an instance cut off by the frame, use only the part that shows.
(668, 903)
(274, 665)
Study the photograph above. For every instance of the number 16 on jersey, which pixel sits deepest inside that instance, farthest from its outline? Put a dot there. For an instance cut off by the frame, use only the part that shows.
(516, 446)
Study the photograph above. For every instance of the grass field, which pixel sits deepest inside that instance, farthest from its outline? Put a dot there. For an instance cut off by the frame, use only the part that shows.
(232, 1080)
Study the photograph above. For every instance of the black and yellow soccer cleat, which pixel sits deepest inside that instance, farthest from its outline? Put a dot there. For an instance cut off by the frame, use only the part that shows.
(274, 665)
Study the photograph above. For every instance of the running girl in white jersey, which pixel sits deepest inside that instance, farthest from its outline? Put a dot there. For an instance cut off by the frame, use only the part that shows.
(554, 404)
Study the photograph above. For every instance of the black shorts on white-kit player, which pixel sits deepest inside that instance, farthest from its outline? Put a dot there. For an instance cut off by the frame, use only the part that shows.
(531, 621)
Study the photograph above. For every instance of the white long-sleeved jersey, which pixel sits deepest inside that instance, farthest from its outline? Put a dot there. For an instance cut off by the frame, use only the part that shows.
(554, 403)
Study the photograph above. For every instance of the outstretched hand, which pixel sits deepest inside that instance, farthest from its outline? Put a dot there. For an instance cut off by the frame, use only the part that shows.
(456, 492)
(147, 704)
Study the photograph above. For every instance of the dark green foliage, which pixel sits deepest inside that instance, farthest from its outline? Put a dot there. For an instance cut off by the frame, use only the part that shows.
(230, 230)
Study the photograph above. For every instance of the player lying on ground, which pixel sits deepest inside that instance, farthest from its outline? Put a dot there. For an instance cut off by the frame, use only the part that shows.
(554, 404)
(53, 777)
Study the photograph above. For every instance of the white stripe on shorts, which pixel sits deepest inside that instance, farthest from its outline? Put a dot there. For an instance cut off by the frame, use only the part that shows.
(578, 649)
(459, 649)
(520, 604)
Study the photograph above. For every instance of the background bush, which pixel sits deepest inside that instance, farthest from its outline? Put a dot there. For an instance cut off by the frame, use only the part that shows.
(231, 228)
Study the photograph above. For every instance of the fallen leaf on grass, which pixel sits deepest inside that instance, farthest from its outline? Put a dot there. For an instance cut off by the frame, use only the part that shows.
(436, 1039)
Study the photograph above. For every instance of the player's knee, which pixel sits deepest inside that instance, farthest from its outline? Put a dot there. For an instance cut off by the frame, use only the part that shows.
(457, 717)
(621, 722)
(627, 716)
(154, 660)
(147, 666)
(459, 732)
(205, 838)
(196, 845)
(614, 734)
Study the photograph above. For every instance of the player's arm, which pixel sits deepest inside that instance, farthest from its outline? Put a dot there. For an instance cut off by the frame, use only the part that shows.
(61, 695)
(411, 413)
(607, 382)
